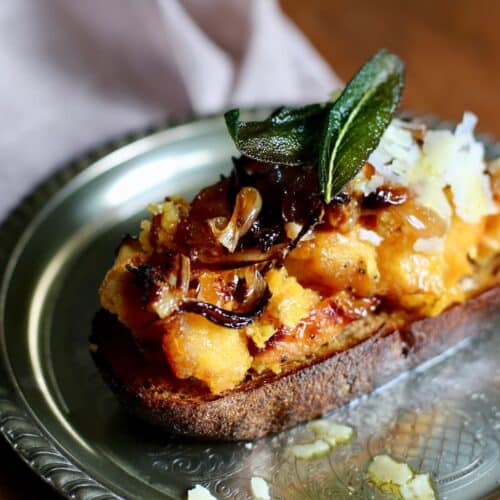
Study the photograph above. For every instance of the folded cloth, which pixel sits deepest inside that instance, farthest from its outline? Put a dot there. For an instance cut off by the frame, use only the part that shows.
(79, 73)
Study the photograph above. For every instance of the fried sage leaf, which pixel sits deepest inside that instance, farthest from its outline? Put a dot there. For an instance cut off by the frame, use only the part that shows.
(357, 120)
(337, 136)
(290, 136)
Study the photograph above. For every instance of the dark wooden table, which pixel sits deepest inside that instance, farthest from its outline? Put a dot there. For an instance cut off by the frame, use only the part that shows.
(451, 48)
(452, 52)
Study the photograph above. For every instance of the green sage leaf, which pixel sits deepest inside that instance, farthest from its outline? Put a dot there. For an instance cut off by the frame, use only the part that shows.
(358, 119)
(290, 136)
(337, 136)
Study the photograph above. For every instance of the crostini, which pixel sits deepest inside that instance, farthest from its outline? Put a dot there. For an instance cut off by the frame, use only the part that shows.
(345, 247)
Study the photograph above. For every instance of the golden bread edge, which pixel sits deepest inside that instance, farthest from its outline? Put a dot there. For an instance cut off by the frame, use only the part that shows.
(271, 403)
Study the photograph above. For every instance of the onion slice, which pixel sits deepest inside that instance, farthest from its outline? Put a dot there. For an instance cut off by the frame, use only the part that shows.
(222, 317)
(184, 274)
(243, 258)
(247, 208)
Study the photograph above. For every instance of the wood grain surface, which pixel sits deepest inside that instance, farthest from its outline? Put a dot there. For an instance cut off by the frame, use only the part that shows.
(452, 52)
(451, 48)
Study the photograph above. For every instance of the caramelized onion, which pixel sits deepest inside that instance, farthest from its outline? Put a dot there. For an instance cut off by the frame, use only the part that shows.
(247, 207)
(227, 319)
(255, 285)
(251, 286)
(184, 274)
(243, 258)
(315, 218)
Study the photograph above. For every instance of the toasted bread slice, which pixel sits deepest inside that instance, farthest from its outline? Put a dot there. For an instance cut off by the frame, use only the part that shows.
(269, 403)
(300, 281)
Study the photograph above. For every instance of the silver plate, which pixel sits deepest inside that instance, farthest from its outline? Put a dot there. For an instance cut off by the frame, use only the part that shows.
(443, 418)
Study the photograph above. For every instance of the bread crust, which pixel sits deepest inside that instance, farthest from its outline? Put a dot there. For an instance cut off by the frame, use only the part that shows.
(272, 403)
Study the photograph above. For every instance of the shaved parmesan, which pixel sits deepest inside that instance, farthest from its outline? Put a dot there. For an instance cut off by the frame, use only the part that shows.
(445, 159)
(260, 488)
(384, 469)
(331, 432)
(397, 478)
(369, 236)
(429, 245)
(419, 488)
(318, 448)
(200, 493)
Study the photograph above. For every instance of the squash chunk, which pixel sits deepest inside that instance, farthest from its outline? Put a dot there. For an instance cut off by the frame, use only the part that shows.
(334, 262)
(290, 302)
(195, 347)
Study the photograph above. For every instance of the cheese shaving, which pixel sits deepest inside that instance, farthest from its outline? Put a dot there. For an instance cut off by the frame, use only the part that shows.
(445, 159)
(397, 478)
(429, 245)
(318, 448)
(329, 435)
(200, 493)
(419, 488)
(384, 469)
(260, 488)
(369, 236)
(331, 432)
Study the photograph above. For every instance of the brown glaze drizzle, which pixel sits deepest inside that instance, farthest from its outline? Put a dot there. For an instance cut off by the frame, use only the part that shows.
(385, 196)
(222, 317)
(340, 310)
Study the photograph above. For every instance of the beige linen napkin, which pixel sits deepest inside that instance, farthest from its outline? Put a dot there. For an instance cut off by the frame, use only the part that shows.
(77, 73)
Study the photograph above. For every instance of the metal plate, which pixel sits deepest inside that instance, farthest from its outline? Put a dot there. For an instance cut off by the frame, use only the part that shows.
(443, 418)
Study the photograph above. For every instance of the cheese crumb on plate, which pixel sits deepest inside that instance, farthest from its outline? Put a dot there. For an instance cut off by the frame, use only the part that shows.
(391, 476)
(318, 448)
(200, 493)
(331, 432)
(329, 435)
(260, 488)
